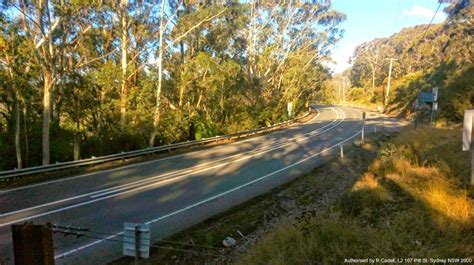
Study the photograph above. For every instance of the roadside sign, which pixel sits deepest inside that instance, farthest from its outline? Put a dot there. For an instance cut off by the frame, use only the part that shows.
(290, 109)
(467, 130)
(435, 93)
(425, 97)
(136, 240)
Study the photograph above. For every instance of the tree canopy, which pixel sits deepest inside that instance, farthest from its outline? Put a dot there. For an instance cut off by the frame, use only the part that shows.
(424, 56)
(81, 78)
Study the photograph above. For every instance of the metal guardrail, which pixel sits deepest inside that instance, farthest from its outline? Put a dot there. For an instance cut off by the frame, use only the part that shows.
(18, 173)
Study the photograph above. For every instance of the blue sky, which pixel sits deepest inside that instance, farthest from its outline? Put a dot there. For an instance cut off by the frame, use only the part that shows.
(369, 19)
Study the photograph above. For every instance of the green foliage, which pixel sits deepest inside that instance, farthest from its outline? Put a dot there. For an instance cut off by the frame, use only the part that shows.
(441, 56)
(225, 68)
(204, 129)
(457, 94)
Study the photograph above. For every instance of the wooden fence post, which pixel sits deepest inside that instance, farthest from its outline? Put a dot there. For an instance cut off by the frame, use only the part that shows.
(33, 244)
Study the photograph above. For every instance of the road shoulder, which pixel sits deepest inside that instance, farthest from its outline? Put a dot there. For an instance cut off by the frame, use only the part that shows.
(249, 222)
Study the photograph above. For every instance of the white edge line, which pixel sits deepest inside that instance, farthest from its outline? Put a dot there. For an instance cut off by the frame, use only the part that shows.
(150, 179)
(115, 169)
(154, 183)
(210, 198)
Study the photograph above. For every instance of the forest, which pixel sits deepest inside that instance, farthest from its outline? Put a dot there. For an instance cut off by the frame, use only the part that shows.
(82, 78)
(422, 57)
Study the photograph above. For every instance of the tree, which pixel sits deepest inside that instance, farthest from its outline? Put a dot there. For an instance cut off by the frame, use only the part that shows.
(85, 78)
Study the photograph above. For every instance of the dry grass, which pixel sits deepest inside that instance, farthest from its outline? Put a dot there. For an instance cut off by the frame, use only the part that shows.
(448, 202)
(431, 182)
(411, 202)
(369, 182)
(456, 207)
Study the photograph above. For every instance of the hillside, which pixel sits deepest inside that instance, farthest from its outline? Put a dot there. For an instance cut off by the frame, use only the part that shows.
(423, 57)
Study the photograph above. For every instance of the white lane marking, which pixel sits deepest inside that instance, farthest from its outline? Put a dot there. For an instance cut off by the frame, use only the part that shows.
(64, 254)
(176, 172)
(124, 167)
(165, 180)
(88, 245)
(105, 190)
(255, 151)
(272, 147)
(151, 183)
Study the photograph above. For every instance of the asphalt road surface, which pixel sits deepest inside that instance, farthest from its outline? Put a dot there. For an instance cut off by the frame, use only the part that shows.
(173, 193)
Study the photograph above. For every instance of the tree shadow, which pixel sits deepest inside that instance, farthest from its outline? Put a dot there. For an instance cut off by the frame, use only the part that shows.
(410, 219)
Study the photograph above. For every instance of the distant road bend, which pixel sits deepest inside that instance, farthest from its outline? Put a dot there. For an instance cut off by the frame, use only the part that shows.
(171, 193)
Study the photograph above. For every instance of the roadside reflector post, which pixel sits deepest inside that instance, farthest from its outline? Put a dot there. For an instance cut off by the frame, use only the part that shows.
(467, 139)
(136, 242)
(363, 127)
(341, 146)
(472, 151)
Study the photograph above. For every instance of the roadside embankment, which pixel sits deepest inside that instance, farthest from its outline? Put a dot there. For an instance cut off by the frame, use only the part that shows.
(412, 201)
(398, 196)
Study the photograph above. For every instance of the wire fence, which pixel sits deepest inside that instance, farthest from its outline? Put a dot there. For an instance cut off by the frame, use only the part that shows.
(212, 251)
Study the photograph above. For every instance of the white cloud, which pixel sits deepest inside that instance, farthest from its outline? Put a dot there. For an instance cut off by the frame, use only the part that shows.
(418, 11)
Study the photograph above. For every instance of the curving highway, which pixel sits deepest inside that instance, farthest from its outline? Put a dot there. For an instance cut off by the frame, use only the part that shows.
(172, 193)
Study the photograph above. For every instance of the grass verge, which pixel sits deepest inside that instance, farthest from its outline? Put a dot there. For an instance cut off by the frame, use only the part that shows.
(306, 196)
(413, 201)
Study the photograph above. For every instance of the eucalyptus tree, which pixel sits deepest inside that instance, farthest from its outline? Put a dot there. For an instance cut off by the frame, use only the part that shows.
(11, 63)
(201, 18)
(284, 30)
(368, 54)
(129, 73)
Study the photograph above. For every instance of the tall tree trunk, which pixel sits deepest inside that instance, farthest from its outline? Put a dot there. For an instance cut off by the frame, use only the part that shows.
(124, 88)
(19, 163)
(77, 146)
(181, 93)
(156, 121)
(25, 132)
(77, 135)
(77, 143)
(17, 132)
(373, 82)
(49, 79)
(46, 114)
(221, 103)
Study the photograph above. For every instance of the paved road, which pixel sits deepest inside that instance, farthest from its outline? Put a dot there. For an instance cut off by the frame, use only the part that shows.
(171, 193)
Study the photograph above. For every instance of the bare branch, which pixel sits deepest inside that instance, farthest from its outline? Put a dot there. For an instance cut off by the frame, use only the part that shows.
(40, 42)
(198, 25)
